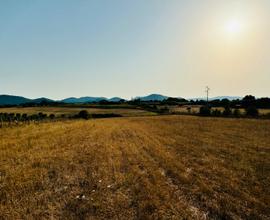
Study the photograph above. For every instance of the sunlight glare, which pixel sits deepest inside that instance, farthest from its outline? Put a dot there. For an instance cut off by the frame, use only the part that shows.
(233, 27)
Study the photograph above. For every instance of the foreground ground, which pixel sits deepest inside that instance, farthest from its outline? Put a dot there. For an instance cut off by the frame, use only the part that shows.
(163, 167)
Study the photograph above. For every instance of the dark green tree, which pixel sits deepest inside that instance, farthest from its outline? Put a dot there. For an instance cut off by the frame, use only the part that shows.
(205, 110)
(216, 113)
(252, 111)
(51, 116)
(84, 114)
(236, 113)
(227, 111)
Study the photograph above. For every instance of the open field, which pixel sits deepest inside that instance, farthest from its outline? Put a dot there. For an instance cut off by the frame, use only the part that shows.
(70, 111)
(196, 108)
(163, 167)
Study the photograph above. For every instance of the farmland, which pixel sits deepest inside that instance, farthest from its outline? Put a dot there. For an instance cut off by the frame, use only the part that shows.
(163, 167)
(70, 111)
(194, 109)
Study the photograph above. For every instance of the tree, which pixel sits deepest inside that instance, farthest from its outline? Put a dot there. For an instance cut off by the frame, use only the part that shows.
(216, 113)
(236, 113)
(51, 116)
(252, 111)
(227, 111)
(205, 110)
(18, 116)
(263, 103)
(24, 117)
(42, 116)
(225, 103)
(83, 114)
(248, 100)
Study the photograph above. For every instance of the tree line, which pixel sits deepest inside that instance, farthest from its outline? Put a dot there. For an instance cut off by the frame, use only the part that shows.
(18, 117)
(245, 102)
(249, 111)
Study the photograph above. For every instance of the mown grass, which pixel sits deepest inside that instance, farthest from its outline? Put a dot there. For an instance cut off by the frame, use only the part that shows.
(164, 167)
(71, 111)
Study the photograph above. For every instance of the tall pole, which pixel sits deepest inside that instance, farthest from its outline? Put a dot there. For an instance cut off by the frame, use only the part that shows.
(207, 94)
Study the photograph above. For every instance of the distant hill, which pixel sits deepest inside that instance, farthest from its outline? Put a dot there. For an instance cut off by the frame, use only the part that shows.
(226, 97)
(13, 100)
(90, 99)
(115, 99)
(83, 99)
(218, 97)
(39, 100)
(152, 97)
(18, 100)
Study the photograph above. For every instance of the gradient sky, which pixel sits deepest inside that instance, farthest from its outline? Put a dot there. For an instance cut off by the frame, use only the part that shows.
(126, 48)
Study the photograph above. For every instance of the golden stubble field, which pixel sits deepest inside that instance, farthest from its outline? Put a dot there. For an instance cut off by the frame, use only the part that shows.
(70, 111)
(163, 167)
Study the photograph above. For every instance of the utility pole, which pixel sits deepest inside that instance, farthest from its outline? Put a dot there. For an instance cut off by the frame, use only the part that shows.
(207, 94)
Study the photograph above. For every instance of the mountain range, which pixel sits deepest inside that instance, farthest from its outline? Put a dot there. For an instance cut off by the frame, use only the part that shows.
(218, 97)
(152, 97)
(18, 100)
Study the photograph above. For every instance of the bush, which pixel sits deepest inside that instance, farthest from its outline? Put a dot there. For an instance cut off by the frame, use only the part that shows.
(164, 110)
(227, 111)
(51, 116)
(267, 115)
(252, 111)
(205, 111)
(236, 113)
(41, 116)
(18, 116)
(83, 114)
(216, 113)
(108, 115)
(24, 117)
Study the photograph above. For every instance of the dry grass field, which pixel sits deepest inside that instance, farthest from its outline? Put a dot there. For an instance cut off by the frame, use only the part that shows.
(163, 167)
(195, 109)
(70, 111)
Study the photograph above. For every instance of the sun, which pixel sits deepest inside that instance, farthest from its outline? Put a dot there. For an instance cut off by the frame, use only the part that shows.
(233, 27)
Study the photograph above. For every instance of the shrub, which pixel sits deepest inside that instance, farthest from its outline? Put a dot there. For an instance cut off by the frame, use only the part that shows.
(205, 111)
(267, 115)
(227, 111)
(34, 117)
(11, 117)
(236, 113)
(83, 114)
(24, 117)
(164, 110)
(108, 115)
(41, 116)
(18, 116)
(216, 113)
(252, 111)
(51, 116)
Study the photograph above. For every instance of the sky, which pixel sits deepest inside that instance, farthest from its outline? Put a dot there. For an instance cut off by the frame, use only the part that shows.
(126, 48)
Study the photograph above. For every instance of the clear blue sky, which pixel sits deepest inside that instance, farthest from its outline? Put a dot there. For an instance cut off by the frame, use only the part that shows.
(62, 48)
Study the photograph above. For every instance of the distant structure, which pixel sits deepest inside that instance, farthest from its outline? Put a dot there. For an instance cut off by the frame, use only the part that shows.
(207, 94)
